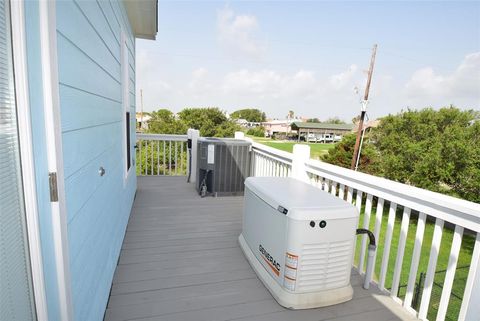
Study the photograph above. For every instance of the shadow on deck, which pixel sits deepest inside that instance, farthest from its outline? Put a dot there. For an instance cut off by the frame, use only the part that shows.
(180, 260)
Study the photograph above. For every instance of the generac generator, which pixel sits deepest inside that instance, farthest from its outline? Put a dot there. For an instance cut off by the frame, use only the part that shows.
(299, 240)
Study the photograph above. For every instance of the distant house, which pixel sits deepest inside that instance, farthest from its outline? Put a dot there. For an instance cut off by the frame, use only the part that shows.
(253, 124)
(277, 126)
(367, 126)
(242, 122)
(247, 124)
(307, 130)
(142, 120)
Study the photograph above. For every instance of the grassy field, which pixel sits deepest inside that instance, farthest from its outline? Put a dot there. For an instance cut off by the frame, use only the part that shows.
(447, 237)
(316, 149)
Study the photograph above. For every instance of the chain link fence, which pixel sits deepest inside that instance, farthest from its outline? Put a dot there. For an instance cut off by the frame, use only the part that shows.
(456, 295)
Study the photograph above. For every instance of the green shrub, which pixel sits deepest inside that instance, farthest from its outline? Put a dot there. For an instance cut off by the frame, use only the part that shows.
(257, 131)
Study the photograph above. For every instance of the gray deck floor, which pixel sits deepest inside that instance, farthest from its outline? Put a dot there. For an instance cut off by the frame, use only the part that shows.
(180, 260)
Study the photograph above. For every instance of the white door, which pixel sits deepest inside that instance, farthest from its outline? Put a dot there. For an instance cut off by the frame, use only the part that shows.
(16, 291)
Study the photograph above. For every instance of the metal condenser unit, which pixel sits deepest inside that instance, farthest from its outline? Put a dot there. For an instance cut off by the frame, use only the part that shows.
(222, 166)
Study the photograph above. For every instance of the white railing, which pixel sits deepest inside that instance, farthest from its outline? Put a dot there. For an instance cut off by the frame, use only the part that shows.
(374, 197)
(268, 161)
(162, 155)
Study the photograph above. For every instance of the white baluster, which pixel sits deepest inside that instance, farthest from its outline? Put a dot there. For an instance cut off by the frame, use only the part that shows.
(333, 191)
(467, 311)
(400, 251)
(387, 245)
(341, 192)
(366, 224)
(415, 260)
(432, 264)
(449, 276)
(377, 228)
(350, 195)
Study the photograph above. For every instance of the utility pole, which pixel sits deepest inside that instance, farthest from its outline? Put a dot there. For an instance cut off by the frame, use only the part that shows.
(356, 153)
(141, 109)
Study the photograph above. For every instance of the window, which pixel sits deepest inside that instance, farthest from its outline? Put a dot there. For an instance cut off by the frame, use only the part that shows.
(127, 129)
(16, 290)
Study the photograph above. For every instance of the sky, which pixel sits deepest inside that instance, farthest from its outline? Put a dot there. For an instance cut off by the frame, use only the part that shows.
(310, 56)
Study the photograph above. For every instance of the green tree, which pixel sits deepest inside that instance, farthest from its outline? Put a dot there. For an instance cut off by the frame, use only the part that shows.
(211, 122)
(341, 155)
(161, 158)
(467, 183)
(334, 120)
(258, 131)
(250, 114)
(163, 121)
(313, 120)
(436, 150)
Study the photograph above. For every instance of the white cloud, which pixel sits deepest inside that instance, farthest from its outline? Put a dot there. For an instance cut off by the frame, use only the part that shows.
(237, 33)
(198, 79)
(270, 83)
(340, 80)
(424, 82)
(149, 81)
(308, 93)
(263, 83)
(458, 87)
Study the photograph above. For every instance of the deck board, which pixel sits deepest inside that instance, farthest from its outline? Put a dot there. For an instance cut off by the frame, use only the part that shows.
(180, 260)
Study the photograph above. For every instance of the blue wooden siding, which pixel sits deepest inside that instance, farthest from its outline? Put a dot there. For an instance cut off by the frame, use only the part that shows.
(89, 46)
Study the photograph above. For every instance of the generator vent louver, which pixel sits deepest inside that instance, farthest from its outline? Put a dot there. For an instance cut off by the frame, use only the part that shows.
(324, 265)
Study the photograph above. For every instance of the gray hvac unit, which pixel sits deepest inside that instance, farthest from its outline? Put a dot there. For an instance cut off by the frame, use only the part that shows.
(222, 166)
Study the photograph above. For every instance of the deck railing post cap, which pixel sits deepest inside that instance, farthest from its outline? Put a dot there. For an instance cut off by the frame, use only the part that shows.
(301, 153)
(301, 150)
(239, 135)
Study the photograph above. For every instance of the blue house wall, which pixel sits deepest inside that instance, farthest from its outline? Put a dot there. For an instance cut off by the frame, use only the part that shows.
(89, 48)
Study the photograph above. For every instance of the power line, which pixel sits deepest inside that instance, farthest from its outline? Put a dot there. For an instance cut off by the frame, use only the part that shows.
(245, 61)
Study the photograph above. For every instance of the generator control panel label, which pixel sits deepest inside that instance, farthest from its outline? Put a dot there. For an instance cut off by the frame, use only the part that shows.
(291, 260)
(282, 210)
(211, 154)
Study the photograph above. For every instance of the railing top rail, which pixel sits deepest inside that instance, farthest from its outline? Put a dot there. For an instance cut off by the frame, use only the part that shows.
(167, 137)
(273, 151)
(451, 209)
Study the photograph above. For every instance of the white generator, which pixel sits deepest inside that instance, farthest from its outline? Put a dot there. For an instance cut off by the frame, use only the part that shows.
(299, 240)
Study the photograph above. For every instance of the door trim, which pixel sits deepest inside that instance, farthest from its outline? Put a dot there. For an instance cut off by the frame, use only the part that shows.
(53, 133)
(19, 51)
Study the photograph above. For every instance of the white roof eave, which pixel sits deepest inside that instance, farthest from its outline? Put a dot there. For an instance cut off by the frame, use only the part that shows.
(143, 17)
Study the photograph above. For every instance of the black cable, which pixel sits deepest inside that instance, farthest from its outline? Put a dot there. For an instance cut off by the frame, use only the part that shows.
(369, 233)
(189, 146)
(203, 185)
